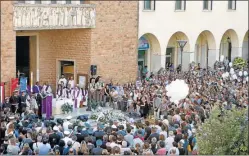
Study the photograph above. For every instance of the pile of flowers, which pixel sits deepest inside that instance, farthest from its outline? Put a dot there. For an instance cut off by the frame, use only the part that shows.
(66, 108)
(94, 116)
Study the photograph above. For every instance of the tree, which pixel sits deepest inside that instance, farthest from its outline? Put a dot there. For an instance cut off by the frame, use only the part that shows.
(224, 135)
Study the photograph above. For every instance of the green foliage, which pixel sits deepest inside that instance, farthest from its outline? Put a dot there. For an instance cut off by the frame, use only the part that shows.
(225, 135)
(93, 117)
(239, 63)
(93, 104)
(66, 108)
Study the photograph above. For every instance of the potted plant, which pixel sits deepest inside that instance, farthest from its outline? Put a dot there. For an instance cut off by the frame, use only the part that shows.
(66, 108)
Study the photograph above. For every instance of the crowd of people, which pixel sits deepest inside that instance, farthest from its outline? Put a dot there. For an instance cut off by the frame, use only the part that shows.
(172, 132)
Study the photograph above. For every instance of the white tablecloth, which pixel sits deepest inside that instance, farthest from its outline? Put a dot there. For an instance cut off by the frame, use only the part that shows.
(57, 105)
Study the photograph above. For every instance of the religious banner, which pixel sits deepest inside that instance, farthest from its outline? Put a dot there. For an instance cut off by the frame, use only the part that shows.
(143, 44)
(14, 83)
(23, 83)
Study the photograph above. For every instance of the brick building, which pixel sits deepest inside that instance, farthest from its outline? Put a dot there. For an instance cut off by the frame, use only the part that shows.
(102, 33)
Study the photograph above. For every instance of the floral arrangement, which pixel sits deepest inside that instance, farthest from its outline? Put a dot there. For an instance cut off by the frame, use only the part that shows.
(102, 119)
(93, 116)
(239, 63)
(93, 104)
(66, 108)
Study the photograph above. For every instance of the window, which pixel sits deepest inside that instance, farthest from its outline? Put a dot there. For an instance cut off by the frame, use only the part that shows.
(53, 2)
(20, 1)
(180, 5)
(149, 4)
(207, 5)
(232, 4)
(68, 1)
(81, 1)
(37, 1)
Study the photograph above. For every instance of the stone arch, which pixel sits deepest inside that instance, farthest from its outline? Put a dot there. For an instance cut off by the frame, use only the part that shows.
(153, 63)
(229, 45)
(205, 49)
(173, 52)
(245, 46)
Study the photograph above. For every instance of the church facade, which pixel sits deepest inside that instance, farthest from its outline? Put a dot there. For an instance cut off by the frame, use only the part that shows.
(84, 33)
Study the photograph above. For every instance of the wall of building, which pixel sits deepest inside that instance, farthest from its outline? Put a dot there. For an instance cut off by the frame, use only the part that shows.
(114, 40)
(63, 45)
(112, 45)
(165, 21)
(8, 44)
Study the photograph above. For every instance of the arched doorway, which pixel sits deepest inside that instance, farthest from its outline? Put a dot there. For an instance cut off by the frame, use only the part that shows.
(173, 52)
(205, 49)
(148, 45)
(229, 45)
(245, 47)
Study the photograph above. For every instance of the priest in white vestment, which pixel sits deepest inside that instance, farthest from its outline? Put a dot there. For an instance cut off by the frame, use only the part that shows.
(46, 89)
(71, 82)
(63, 81)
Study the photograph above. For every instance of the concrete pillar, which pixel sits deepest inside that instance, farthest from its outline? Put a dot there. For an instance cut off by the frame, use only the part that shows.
(163, 61)
(76, 2)
(30, 2)
(61, 2)
(46, 2)
(213, 56)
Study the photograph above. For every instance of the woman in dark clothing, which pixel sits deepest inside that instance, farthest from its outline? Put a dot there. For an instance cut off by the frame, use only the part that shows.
(145, 108)
(106, 94)
(61, 146)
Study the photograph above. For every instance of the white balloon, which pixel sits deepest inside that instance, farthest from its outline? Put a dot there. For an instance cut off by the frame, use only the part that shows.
(245, 73)
(247, 79)
(234, 76)
(177, 90)
(224, 75)
(231, 69)
(231, 72)
(240, 73)
(230, 64)
(227, 74)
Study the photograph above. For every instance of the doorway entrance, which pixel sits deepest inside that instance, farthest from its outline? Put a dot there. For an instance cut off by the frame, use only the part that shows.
(23, 56)
(169, 56)
(66, 68)
(141, 61)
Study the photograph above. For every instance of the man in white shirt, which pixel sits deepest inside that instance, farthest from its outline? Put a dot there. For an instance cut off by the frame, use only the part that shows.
(66, 123)
(76, 144)
(66, 138)
(63, 79)
(46, 89)
(113, 142)
(169, 141)
(71, 82)
(114, 95)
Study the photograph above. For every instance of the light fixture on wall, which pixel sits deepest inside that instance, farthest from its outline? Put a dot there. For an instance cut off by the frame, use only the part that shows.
(182, 44)
(228, 40)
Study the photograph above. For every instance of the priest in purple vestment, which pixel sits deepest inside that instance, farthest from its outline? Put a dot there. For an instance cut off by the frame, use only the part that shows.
(37, 88)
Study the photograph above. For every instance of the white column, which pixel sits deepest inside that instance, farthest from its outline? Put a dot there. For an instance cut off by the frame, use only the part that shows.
(46, 2)
(30, 2)
(61, 2)
(76, 2)
(148, 53)
(163, 61)
(213, 55)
